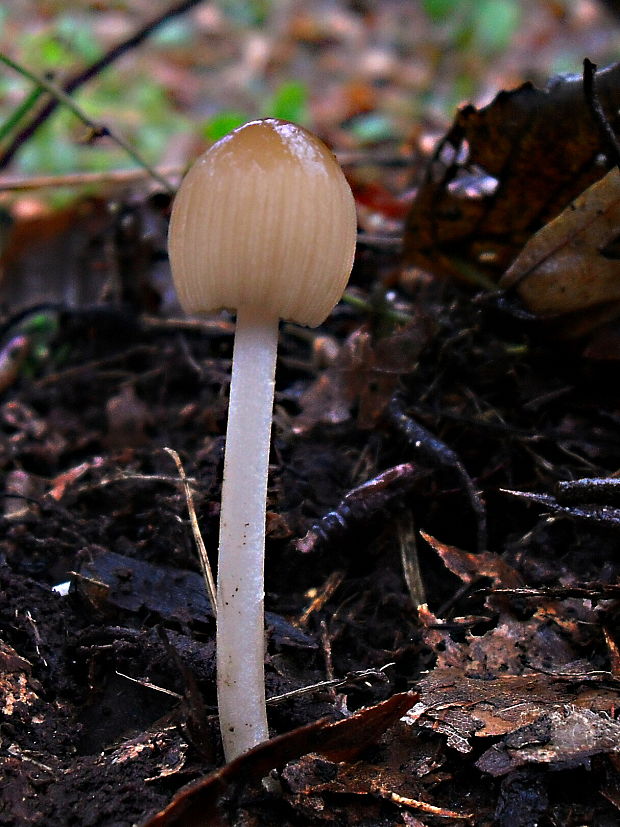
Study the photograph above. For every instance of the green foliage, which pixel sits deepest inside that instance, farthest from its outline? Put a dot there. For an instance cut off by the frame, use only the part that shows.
(140, 108)
(61, 145)
(496, 22)
(41, 330)
(177, 32)
(19, 113)
(484, 25)
(440, 10)
(221, 124)
(461, 38)
(70, 40)
(289, 102)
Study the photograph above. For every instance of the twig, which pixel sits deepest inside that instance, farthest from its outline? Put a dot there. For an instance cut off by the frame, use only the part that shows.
(410, 560)
(334, 683)
(149, 685)
(81, 179)
(596, 108)
(127, 176)
(89, 72)
(205, 565)
(430, 447)
(20, 112)
(98, 130)
(381, 242)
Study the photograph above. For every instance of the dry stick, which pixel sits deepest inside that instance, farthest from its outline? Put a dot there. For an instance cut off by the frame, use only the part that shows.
(205, 565)
(98, 129)
(16, 183)
(91, 71)
(127, 176)
(596, 108)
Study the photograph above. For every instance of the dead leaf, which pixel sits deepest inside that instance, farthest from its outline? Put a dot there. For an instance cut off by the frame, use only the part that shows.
(570, 265)
(528, 712)
(21, 489)
(12, 357)
(111, 582)
(364, 374)
(49, 254)
(339, 741)
(504, 171)
(63, 481)
(470, 567)
(566, 736)
(127, 418)
(543, 642)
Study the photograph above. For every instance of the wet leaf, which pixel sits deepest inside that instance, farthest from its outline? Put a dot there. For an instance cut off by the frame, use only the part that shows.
(504, 171)
(572, 266)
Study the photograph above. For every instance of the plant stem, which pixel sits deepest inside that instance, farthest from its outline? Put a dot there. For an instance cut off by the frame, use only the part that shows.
(240, 583)
(89, 72)
(22, 110)
(97, 128)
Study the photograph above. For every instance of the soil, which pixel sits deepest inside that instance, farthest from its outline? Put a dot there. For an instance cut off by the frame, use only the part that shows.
(107, 681)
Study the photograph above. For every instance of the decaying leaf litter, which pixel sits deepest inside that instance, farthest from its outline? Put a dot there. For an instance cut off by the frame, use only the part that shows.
(508, 645)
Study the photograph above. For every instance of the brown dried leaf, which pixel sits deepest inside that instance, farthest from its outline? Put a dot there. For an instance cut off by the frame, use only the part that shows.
(547, 641)
(571, 265)
(532, 713)
(504, 171)
(469, 567)
(339, 741)
(21, 489)
(564, 736)
(365, 373)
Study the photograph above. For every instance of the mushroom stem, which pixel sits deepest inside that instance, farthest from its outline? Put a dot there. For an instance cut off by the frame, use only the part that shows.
(240, 582)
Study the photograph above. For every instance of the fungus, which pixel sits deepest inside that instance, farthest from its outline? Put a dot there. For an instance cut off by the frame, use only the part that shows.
(263, 224)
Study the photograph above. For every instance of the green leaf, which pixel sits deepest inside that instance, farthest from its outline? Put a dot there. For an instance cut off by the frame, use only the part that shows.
(76, 32)
(290, 102)
(440, 11)
(496, 23)
(221, 124)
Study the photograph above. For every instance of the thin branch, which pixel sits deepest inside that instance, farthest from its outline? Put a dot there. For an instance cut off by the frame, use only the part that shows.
(596, 108)
(333, 683)
(15, 183)
(205, 565)
(20, 112)
(80, 78)
(98, 130)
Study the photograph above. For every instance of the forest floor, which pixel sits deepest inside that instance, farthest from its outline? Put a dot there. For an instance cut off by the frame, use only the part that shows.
(443, 516)
(108, 690)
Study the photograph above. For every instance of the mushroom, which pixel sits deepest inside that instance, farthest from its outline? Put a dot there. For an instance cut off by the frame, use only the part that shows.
(264, 224)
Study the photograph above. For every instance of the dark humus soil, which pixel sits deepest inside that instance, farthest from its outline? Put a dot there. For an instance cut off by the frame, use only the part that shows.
(107, 692)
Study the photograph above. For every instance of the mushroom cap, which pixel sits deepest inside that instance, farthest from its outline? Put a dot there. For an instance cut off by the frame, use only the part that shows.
(265, 217)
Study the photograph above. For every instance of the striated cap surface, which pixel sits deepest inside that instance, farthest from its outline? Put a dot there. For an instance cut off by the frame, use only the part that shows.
(265, 217)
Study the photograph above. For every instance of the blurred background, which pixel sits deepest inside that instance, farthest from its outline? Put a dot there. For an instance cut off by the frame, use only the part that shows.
(376, 80)
(361, 74)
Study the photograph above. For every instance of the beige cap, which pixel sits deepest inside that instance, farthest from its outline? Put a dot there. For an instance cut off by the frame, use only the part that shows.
(265, 217)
